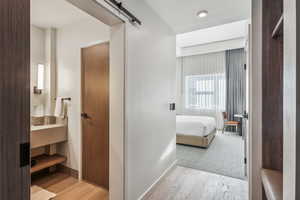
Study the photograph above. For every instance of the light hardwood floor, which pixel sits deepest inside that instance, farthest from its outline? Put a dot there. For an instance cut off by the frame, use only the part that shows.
(69, 188)
(189, 184)
(179, 184)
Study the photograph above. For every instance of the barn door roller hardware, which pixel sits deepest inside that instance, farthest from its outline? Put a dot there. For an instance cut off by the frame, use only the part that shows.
(119, 6)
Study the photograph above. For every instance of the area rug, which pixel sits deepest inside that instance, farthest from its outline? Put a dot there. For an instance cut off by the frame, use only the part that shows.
(225, 156)
(38, 193)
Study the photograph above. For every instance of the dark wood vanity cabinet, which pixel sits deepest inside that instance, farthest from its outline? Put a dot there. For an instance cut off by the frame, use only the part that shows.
(272, 99)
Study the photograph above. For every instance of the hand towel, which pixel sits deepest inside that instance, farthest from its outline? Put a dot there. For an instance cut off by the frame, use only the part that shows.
(59, 112)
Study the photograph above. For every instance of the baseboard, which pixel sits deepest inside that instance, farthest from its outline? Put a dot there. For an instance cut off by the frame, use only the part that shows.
(64, 169)
(158, 180)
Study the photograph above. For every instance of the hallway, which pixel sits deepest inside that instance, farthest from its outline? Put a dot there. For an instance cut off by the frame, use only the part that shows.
(145, 124)
(184, 183)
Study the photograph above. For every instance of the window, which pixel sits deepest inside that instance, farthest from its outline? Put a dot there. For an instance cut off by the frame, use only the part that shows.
(205, 92)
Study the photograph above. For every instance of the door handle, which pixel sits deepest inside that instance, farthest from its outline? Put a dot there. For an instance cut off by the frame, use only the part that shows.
(24, 154)
(85, 116)
(245, 115)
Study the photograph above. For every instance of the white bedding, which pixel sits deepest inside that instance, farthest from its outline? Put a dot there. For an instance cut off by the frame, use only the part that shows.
(195, 125)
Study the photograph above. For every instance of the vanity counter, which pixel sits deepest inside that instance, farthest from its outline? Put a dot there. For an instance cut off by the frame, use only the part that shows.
(48, 134)
(48, 126)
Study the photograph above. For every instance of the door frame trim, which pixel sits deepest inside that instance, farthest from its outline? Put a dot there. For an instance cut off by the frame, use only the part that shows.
(255, 104)
(117, 127)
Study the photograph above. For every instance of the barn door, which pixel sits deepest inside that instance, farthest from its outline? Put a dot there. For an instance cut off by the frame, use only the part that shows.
(14, 99)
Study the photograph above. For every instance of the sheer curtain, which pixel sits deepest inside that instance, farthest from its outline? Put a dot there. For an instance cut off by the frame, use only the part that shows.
(204, 82)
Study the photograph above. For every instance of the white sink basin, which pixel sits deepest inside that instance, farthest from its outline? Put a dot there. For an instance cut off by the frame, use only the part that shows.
(48, 133)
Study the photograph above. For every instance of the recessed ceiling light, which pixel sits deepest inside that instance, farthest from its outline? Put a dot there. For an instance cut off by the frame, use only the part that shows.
(202, 13)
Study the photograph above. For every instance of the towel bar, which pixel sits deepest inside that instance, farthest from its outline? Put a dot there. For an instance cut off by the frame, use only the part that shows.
(65, 99)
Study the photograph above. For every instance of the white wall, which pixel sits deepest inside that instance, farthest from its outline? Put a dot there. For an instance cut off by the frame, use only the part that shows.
(43, 52)
(37, 51)
(70, 40)
(214, 39)
(209, 35)
(50, 72)
(150, 86)
(211, 47)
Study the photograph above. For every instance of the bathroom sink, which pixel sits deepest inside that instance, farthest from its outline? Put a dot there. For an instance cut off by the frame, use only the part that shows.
(47, 120)
(47, 130)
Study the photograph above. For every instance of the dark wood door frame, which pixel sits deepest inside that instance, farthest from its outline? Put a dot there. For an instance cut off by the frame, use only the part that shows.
(14, 97)
(95, 124)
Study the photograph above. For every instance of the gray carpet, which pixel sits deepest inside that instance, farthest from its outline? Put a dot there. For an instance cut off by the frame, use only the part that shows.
(225, 156)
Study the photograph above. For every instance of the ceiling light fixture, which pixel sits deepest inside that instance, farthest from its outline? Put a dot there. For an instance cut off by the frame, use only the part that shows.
(202, 13)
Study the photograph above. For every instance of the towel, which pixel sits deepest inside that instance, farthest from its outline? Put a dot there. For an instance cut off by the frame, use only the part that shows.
(59, 107)
(38, 193)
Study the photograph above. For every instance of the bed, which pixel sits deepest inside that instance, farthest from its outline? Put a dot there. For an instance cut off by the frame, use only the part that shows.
(195, 130)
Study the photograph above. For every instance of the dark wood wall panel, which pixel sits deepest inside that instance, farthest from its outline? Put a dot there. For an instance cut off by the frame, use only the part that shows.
(14, 97)
(272, 77)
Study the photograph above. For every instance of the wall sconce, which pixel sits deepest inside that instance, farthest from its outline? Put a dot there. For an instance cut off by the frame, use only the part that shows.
(40, 79)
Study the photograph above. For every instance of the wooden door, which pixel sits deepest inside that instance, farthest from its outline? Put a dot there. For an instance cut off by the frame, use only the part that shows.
(14, 99)
(95, 114)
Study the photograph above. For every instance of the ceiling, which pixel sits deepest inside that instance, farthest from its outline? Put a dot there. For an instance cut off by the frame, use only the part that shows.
(181, 14)
(55, 13)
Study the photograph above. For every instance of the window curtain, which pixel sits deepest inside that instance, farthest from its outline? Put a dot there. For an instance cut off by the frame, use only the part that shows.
(202, 69)
(203, 82)
(236, 82)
